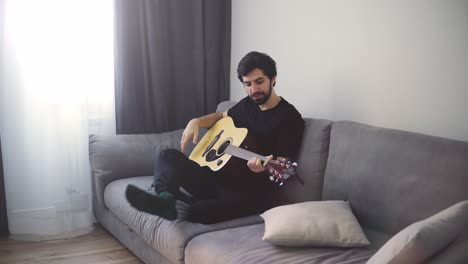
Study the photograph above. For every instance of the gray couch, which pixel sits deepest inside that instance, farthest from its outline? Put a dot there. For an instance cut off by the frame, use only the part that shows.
(391, 179)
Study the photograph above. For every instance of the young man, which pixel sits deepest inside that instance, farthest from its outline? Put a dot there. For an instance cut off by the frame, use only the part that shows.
(275, 126)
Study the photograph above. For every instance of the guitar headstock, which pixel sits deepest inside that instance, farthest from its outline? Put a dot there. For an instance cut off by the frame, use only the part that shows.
(281, 169)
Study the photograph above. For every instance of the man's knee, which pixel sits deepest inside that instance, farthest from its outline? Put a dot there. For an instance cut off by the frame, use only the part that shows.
(168, 155)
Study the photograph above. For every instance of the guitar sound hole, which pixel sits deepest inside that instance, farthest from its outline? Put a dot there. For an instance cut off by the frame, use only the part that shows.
(223, 146)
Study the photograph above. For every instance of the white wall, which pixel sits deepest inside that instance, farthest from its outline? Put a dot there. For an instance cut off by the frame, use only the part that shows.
(396, 63)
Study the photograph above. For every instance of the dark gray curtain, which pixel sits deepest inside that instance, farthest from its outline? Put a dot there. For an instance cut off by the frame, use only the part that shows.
(172, 62)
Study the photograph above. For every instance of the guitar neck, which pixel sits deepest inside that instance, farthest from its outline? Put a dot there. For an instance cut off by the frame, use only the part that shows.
(243, 153)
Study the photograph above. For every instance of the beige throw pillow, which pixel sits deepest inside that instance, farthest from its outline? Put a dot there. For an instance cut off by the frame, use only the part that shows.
(318, 223)
(419, 241)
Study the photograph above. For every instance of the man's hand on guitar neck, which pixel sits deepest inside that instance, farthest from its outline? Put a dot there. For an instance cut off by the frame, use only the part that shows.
(255, 164)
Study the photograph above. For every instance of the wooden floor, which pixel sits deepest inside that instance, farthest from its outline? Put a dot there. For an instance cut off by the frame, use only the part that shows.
(96, 247)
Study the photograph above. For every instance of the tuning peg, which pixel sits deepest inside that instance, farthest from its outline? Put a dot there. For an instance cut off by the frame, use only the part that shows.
(272, 178)
(281, 183)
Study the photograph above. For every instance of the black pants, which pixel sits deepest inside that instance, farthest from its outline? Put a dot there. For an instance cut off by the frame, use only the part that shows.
(213, 201)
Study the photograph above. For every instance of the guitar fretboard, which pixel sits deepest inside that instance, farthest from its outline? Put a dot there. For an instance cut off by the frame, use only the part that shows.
(243, 153)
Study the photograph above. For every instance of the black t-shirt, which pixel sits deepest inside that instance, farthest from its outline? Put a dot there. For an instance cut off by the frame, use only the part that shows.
(277, 131)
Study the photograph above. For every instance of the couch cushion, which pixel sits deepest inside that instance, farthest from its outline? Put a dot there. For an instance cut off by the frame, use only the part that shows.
(313, 223)
(394, 178)
(455, 253)
(167, 237)
(421, 240)
(245, 245)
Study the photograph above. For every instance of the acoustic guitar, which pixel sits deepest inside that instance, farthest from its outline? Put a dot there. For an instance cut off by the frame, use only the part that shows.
(223, 140)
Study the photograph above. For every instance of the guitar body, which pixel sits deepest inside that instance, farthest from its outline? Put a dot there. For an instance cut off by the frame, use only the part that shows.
(210, 150)
(224, 140)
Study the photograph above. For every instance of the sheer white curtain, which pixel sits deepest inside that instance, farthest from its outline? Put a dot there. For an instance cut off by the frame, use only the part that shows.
(57, 87)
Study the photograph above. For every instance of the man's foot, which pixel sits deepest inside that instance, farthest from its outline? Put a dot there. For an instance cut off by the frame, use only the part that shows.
(162, 205)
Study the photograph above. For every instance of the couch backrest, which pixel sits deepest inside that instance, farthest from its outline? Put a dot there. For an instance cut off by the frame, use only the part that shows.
(393, 178)
(312, 162)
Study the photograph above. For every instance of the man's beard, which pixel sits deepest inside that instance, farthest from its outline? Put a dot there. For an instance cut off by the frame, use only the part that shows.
(264, 98)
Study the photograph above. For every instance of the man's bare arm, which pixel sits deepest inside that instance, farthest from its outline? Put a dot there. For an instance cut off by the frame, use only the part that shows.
(192, 129)
(209, 120)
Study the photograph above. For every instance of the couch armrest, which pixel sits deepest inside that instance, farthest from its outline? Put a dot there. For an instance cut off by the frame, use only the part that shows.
(122, 156)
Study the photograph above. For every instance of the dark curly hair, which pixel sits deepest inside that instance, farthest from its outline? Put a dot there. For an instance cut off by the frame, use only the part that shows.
(255, 60)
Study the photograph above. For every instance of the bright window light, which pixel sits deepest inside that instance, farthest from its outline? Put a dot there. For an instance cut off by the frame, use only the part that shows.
(63, 48)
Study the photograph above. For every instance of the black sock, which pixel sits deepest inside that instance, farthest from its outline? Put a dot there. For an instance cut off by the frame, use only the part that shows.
(151, 202)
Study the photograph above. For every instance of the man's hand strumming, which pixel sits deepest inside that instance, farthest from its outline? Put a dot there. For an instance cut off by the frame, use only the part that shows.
(190, 133)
